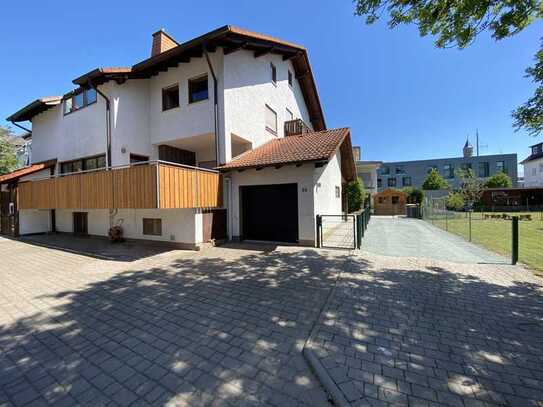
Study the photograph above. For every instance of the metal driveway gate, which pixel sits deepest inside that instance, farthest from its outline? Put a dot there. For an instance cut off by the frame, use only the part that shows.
(336, 231)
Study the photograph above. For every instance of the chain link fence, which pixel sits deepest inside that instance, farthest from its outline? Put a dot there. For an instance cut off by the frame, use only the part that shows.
(492, 229)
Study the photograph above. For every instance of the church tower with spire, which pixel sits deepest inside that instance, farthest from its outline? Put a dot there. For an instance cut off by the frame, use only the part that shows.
(468, 149)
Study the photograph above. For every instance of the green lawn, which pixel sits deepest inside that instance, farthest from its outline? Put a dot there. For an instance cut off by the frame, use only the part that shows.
(495, 234)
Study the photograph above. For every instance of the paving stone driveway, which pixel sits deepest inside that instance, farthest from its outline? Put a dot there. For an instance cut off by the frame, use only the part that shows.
(407, 331)
(220, 327)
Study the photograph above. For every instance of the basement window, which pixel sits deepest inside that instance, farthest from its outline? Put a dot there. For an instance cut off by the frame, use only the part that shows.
(170, 97)
(152, 227)
(198, 89)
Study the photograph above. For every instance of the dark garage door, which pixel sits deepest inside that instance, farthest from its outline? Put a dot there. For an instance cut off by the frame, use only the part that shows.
(270, 212)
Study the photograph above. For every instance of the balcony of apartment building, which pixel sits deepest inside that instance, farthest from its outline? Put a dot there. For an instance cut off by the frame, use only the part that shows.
(142, 185)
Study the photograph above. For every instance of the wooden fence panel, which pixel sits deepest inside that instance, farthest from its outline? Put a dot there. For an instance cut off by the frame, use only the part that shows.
(97, 190)
(135, 187)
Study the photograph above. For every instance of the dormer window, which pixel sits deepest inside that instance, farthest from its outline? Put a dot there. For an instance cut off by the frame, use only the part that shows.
(273, 74)
(79, 100)
(536, 149)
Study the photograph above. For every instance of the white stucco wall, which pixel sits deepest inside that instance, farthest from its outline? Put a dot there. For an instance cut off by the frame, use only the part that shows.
(178, 225)
(65, 137)
(247, 90)
(34, 221)
(327, 178)
(303, 176)
(533, 173)
(189, 119)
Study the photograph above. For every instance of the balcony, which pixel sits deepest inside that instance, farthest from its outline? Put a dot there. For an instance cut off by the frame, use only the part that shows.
(296, 127)
(151, 185)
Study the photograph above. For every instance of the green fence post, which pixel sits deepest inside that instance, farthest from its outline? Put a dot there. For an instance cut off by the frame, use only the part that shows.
(514, 240)
(360, 230)
(469, 224)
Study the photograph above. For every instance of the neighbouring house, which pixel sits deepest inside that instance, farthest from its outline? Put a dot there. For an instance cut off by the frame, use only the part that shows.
(401, 174)
(366, 171)
(221, 136)
(533, 167)
(390, 202)
(24, 150)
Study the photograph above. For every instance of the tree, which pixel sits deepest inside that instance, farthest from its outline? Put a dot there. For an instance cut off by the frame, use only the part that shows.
(457, 24)
(499, 180)
(434, 181)
(8, 158)
(454, 201)
(414, 195)
(355, 195)
(471, 187)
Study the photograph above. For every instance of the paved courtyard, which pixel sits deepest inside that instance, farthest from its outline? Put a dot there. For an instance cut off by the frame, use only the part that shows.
(418, 332)
(221, 327)
(404, 237)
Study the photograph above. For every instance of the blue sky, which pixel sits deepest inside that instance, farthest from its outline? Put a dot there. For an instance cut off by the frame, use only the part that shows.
(403, 98)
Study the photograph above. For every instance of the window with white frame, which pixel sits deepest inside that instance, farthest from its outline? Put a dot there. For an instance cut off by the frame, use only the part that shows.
(290, 115)
(271, 120)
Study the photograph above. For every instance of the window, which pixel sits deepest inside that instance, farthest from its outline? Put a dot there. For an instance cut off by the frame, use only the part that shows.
(466, 166)
(534, 171)
(198, 90)
(395, 200)
(271, 120)
(379, 182)
(170, 97)
(83, 164)
(79, 100)
(136, 158)
(448, 171)
(536, 149)
(290, 77)
(541, 168)
(152, 227)
(338, 192)
(484, 170)
(500, 167)
(381, 200)
(290, 115)
(400, 170)
(406, 181)
(273, 73)
(392, 182)
(385, 171)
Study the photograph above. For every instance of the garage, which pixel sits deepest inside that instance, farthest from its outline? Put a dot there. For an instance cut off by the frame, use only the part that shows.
(269, 212)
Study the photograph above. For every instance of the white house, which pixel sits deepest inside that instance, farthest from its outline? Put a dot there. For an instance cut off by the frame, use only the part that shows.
(533, 167)
(220, 136)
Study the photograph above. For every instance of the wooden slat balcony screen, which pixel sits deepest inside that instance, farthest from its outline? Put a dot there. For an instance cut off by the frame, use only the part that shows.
(138, 187)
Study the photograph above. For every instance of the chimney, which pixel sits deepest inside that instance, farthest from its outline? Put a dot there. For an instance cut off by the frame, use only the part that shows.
(162, 42)
(356, 153)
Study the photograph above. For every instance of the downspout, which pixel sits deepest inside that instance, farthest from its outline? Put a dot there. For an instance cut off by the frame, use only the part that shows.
(112, 211)
(21, 127)
(108, 123)
(215, 107)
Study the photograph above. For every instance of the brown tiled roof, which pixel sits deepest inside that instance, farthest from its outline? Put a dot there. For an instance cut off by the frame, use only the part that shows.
(26, 171)
(34, 108)
(316, 146)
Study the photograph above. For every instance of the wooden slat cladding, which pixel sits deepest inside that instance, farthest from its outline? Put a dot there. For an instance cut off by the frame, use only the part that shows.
(125, 188)
(188, 188)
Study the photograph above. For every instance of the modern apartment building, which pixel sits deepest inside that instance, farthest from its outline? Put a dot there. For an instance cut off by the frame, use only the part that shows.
(533, 167)
(224, 129)
(413, 173)
(366, 171)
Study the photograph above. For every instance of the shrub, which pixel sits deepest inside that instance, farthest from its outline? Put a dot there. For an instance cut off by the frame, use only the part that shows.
(355, 195)
(454, 201)
(499, 180)
(434, 181)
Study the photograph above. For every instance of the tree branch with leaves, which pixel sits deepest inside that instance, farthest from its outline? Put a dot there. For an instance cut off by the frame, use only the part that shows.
(8, 157)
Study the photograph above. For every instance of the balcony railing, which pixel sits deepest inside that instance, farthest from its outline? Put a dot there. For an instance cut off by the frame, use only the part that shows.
(155, 184)
(295, 127)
